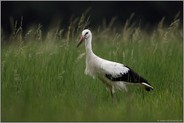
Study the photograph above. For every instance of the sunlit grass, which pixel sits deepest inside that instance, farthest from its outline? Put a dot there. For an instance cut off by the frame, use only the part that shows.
(43, 80)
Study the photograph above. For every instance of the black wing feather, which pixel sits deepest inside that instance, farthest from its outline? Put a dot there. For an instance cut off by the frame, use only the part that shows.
(130, 76)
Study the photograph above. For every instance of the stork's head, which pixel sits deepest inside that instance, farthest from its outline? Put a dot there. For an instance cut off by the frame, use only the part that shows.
(86, 34)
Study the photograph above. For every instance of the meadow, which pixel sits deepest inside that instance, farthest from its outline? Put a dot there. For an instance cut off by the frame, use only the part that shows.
(44, 80)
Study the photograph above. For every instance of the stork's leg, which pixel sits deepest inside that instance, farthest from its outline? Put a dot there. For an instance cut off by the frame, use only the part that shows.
(110, 88)
(111, 91)
(112, 95)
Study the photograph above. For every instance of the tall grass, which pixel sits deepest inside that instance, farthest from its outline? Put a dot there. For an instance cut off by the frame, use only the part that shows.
(43, 79)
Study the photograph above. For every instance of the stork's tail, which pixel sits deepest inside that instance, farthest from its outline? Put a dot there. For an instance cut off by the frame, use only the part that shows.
(147, 86)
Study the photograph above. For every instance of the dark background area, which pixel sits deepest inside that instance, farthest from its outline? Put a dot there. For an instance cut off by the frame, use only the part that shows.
(149, 13)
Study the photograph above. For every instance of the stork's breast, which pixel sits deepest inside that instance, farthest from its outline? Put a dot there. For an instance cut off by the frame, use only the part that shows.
(90, 71)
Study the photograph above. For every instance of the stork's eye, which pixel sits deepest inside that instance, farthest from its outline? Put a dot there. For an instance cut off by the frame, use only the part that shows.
(86, 33)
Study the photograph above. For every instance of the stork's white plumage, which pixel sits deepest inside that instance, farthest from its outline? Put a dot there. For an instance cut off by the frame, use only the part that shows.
(114, 75)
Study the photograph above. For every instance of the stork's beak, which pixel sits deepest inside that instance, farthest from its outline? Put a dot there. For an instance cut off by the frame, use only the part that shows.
(80, 41)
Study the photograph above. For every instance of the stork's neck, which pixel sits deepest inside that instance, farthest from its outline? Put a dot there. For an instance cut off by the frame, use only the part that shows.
(88, 45)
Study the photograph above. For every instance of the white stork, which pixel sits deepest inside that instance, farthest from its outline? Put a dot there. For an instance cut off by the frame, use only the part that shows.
(113, 75)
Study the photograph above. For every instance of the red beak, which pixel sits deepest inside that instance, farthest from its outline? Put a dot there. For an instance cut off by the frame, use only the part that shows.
(80, 41)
